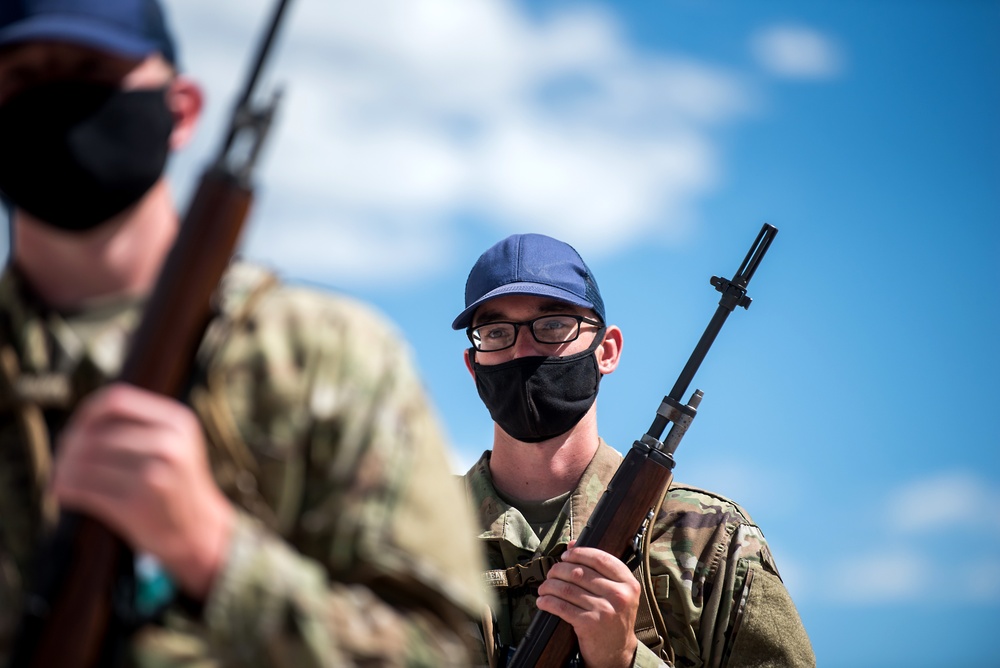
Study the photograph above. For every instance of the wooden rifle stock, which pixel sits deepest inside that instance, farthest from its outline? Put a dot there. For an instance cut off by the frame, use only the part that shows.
(71, 616)
(623, 517)
(180, 307)
(632, 492)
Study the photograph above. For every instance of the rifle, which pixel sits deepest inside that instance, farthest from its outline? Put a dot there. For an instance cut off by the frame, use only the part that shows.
(625, 513)
(78, 613)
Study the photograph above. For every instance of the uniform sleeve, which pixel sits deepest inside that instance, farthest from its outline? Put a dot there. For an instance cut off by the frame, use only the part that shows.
(274, 607)
(767, 631)
(355, 544)
(760, 626)
(718, 587)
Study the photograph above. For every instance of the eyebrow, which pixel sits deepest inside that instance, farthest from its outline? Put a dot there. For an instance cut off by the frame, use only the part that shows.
(547, 307)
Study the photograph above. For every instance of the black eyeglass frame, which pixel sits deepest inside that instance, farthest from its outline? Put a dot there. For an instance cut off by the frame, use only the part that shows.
(580, 319)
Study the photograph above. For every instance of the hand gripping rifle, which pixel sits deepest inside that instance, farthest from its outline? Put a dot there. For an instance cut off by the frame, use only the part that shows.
(76, 615)
(625, 513)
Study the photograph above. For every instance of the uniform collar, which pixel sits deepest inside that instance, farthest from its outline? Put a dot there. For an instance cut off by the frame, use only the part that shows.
(504, 523)
(46, 343)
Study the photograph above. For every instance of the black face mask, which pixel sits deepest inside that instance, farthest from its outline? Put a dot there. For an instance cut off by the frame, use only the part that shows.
(537, 398)
(75, 154)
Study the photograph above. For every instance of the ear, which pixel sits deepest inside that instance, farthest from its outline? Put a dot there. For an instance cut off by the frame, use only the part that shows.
(610, 350)
(185, 100)
(467, 355)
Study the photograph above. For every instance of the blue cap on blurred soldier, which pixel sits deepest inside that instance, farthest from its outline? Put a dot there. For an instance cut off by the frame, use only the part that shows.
(129, 28)
(530, 264)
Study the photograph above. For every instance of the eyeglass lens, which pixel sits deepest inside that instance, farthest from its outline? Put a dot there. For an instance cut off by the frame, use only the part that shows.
(547, 329)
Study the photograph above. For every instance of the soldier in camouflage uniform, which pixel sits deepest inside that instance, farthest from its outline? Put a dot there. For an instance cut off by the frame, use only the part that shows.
(540, 345)
(287, 513)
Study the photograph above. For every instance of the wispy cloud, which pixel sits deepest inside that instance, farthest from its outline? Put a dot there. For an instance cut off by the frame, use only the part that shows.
(948, 500)
(939, 545)
(882, 576)
(405, 116)
(920, 574)
(797, 52)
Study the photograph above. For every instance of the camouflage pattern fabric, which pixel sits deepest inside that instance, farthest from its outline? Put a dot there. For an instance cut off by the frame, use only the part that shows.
(713, 575)
(352, 541)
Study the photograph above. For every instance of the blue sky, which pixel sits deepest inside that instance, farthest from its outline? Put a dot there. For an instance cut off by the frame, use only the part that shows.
(850, 410)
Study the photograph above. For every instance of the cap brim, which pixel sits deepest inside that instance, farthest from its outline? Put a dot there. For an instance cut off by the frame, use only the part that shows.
(77, 30)
(464, 318)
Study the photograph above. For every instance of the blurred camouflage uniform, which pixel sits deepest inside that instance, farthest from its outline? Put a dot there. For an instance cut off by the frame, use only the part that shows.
(319, 433)
(713, 575)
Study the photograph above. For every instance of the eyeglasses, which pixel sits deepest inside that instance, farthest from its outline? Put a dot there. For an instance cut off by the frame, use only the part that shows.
(495, 336)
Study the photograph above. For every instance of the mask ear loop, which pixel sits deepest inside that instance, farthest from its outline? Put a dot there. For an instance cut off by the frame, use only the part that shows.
(598, 339)
(8, 208)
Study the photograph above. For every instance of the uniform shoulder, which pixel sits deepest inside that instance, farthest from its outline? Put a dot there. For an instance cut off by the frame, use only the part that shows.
(695, 523)
(256, 292)
(294, 345)
(687, 498)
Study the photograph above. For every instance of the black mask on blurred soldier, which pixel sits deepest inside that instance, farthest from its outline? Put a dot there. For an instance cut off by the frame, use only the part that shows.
(74, 154)
(537, 398)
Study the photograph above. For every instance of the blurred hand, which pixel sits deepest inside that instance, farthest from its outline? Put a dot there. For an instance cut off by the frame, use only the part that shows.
(598, 595)
(136, 461)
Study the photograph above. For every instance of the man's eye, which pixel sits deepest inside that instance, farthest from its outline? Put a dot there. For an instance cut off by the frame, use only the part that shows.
(496, 333)
(555, 324)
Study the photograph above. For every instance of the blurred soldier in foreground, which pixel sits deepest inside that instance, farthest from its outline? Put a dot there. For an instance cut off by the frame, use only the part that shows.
(540, 345)
(288, 512)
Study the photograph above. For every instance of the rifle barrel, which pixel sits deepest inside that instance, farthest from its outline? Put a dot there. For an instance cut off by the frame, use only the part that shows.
(733, 295)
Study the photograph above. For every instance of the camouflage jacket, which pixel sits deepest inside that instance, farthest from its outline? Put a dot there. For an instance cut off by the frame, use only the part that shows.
(713, 575)
(319, 432)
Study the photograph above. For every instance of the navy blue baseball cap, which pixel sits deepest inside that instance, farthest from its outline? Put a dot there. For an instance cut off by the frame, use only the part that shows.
(530, 264)
(130, 28)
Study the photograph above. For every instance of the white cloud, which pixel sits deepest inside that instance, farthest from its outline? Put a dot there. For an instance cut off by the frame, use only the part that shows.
(360, 250)
(404, 115)
(891, 575)
(946, 501)
(919, 574)
(796, 52)
(941, 546)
